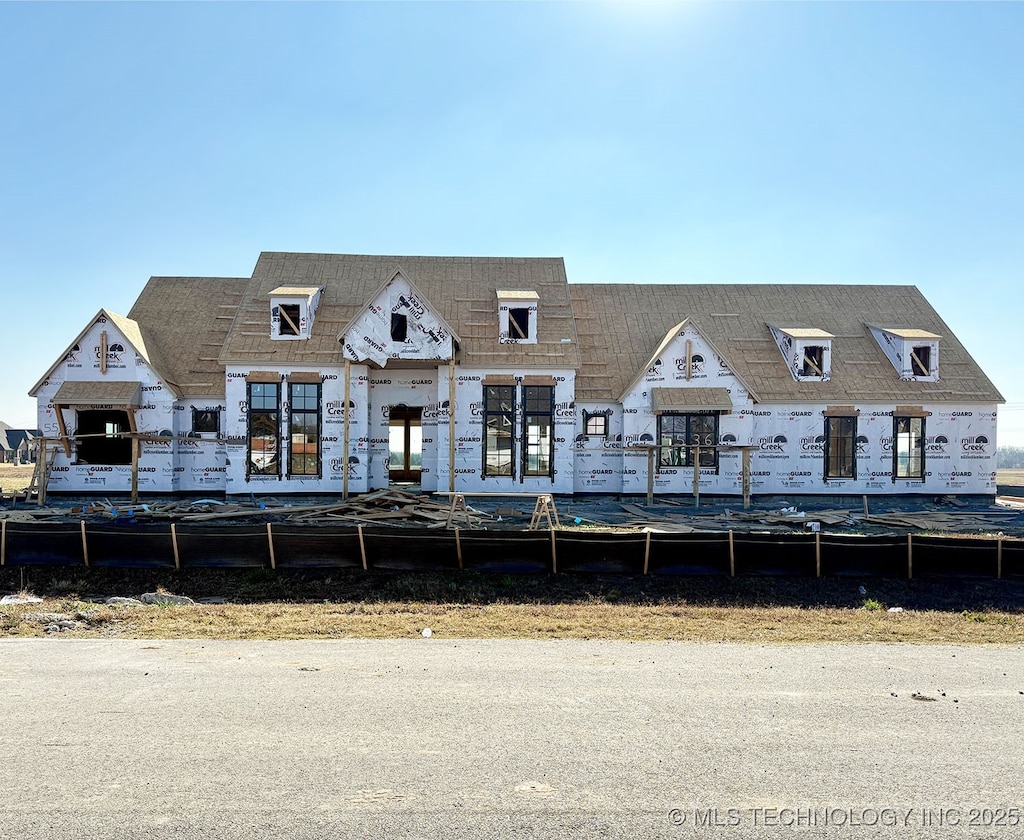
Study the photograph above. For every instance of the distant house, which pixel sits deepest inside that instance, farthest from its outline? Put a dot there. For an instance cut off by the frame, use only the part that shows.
(17, 446)
(323, 373)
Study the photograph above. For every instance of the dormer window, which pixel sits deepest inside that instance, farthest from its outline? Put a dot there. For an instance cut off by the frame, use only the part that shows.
(814, 361)
(291, 316)
(292, 309)
(807, 351)
(914, 353)
(921, 360)
(517, 317)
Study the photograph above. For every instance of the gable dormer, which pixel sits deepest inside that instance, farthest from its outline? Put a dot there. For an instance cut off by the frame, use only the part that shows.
(807, 351)
(517, 317)
(292, 309)
(913, 352)
(398, 323)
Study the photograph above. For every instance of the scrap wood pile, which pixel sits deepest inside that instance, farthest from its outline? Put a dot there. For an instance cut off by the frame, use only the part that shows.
(390, 507)
(787, 519)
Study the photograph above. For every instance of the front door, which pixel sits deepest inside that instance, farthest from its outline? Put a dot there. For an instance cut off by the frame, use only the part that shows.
(405, 442)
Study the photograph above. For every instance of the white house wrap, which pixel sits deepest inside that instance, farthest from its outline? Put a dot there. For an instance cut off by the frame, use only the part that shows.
(327, 373)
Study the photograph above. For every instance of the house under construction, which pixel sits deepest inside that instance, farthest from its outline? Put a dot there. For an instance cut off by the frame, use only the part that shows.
(325, 373)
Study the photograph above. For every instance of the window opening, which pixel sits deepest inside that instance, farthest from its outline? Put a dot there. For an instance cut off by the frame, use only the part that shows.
(499, 428)
(841, 447)
(304, 419)
(921, 361)
(908, 447)
(399, 326)
(519, 322)
(103, 437)
(206, 420)
(814, 361)
(289, 318)
(264, 417)
(538, 442)
(680, 434)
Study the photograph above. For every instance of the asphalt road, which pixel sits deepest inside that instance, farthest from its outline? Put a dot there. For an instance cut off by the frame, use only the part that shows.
(434, 738)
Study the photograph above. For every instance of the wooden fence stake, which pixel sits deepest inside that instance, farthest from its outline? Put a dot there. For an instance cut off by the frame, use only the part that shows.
(650, 476)
(3, 542)
(458, 547)
(362, 546)
(85, 545)
(647, 553)
(174, 545)
(554, 559)
(817, 552)
(999, 557)
(910, 555)
(732, 557)
(270, 542)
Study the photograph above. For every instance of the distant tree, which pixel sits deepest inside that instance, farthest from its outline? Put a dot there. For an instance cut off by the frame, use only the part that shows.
(1010, 458)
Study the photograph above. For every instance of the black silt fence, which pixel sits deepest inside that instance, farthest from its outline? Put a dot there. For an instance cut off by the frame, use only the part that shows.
(775, 554)
(511, 552)
(689, 554)
(42, 544)
(410, 549)
(620, 554)
(1013, 558)
(941, 556)
(874, 556)
(237, 546)
(322, 547)
(139, 546)
(159, 545)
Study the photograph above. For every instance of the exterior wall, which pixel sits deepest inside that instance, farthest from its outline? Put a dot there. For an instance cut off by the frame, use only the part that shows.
(598, 460)
(332, 435)
(788, 440)
(82, 364)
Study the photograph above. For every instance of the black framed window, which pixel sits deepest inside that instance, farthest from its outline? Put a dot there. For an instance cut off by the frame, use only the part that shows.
(908, 447)
(499, 429)
(538, 440)
(264, 414)
(681, 434)
(840, 447)
(206, 420)
(304, 428)
(595, 425)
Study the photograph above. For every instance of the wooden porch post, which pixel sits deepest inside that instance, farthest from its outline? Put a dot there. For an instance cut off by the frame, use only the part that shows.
(451, 424)
(348, 423)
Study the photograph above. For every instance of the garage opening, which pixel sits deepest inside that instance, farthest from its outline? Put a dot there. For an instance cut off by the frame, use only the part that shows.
(100, 438)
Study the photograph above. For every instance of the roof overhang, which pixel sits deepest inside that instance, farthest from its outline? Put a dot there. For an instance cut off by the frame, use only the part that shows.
(690, 400)
(121, 393)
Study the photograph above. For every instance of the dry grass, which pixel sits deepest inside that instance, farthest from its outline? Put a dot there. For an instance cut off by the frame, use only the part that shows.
(1010, 478)
(15, 479)
(594, 620)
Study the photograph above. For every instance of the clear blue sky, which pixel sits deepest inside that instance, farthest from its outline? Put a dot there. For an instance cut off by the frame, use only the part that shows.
(644, 142)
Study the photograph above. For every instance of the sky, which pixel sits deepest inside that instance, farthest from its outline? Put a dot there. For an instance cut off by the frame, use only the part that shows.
(723, 142)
